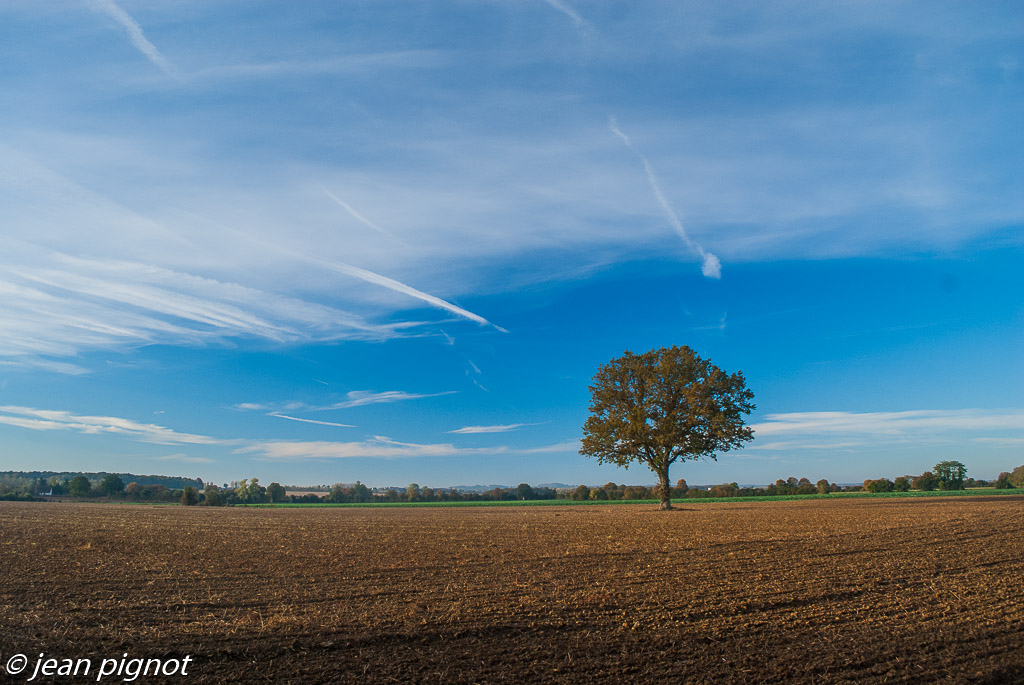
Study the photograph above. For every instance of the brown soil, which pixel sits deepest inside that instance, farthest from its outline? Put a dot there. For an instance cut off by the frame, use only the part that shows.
(894, 590)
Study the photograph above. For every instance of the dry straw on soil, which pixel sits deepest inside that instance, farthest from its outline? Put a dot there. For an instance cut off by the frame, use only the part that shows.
(823, 591)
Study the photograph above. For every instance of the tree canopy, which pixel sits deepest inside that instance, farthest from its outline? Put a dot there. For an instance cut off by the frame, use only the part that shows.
(664, 406)
(951, 475)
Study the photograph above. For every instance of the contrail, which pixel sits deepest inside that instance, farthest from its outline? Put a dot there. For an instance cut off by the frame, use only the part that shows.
(375, 278)
(568, 11)
(321, 423)
(357, 216)
(397, 286)
(711, 267)
(137, 37)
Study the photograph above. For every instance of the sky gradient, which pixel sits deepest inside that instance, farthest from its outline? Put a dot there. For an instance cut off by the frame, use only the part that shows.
(393, 241)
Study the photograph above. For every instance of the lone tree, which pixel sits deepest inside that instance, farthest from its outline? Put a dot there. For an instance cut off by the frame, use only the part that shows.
(664, 406)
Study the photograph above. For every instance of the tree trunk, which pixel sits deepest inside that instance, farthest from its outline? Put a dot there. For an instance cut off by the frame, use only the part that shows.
(665, 491)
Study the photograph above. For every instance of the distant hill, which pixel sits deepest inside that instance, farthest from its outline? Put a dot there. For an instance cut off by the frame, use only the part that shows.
(172, 482)
(479, 488)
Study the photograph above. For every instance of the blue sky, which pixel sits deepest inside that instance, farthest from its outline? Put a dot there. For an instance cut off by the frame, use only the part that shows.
(393, 241)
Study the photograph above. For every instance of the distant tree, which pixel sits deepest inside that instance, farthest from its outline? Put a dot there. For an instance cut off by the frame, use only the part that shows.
(682, 487)
(79, 487)
(582, 492)
(664, 406)
(413, 492)
(133, 491)
(822, 486)
(598, 494)
(879, 485)
(636, 492)
(361, 493)
(926, 482)
(337, 495)
(1003, 481)
(189, 496)
(1017, 477)
(614, 490)
(901, 484)
(524, 491)
(255, 493)
(275, 493)
(804, 487)
(951, 475)
(725, 490)
(157, 493)
(211, 496)
(111, 486)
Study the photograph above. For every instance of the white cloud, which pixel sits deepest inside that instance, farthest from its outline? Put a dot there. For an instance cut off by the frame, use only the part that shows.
(29, 361)
(568, 446)
(47, 420)
(337, 64)
(824, 430)
(479, 209)
(470, 430)
(379, 448)
(185, 459)
(354, 398)
(1001, 442)
(361, 398)
(66, 305)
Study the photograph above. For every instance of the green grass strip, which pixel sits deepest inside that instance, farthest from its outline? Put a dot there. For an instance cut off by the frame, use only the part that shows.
(974, 492)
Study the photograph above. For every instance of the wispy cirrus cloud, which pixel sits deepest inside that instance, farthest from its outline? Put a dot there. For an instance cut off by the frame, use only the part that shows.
(354, 398)
(375, 447)
(567, 446)
(371, 277)
(379, 447)
(62, 306)
(49, 420)
(328, 65)
(472, 430)
(185, 459)
(361, 398)
(137, 37)
(822, 430)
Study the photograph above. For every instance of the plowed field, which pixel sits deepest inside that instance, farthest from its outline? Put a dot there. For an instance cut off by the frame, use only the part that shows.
(874, 591)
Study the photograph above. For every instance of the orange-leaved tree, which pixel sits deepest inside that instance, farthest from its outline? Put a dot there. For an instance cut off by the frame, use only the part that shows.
(664, 406)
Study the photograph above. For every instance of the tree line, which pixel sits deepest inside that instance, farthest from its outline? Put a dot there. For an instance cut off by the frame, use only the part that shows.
(947, 475)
